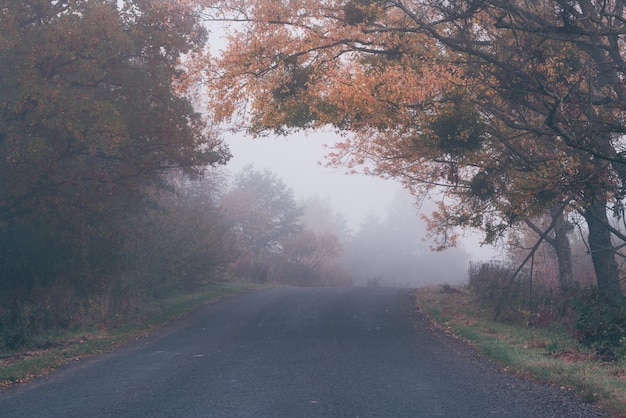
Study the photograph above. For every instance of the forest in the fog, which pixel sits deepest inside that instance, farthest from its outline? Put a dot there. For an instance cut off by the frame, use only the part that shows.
(112, 186)
(503, 118)
(280, 239)
(220, 226)
(309, 242)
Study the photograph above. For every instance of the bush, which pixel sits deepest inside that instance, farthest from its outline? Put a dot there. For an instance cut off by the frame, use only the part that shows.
(495, 287)
(600, 326)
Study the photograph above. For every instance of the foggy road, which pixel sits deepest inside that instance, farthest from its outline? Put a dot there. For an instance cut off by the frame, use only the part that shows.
(291, 352)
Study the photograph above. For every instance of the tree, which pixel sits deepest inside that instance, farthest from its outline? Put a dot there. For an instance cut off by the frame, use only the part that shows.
(557, 65)
(263, 213)
(320, 217)
(89, 115)
(182, 241)
(512, 106)
(91, 119)
(559, 241)
(89, 107)
(311, 259)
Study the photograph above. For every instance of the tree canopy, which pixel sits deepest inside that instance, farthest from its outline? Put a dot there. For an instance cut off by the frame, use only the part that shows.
(263, 214)
(89, 107)
(514, 107)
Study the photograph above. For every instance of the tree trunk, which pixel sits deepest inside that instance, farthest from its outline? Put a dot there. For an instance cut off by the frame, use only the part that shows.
(603, 252)
(561, 245)
(563, 250)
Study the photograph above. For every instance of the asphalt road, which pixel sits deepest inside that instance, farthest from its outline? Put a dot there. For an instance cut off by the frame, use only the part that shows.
(292, 352)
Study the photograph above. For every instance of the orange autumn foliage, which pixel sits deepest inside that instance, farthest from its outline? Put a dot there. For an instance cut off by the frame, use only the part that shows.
(512, 106)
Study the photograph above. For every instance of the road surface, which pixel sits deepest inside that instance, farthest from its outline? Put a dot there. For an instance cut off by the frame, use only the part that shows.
(292, 352)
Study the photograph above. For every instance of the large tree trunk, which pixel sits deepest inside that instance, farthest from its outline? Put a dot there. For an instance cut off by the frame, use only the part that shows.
(603, 252)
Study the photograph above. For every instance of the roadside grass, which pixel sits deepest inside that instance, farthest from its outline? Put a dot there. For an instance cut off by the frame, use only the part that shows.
(548, 354)
(56, 348)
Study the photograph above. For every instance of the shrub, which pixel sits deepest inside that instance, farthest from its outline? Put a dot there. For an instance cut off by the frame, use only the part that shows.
(495, 287)
(600, 326)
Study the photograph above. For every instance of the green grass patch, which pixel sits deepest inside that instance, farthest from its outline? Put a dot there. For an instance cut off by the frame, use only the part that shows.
(58, 347)
(548, 354)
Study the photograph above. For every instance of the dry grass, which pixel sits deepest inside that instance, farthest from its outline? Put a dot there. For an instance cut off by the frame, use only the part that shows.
(547, 354)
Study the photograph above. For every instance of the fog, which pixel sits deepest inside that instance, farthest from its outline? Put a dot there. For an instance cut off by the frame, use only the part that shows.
(299, 160)
(366, 202)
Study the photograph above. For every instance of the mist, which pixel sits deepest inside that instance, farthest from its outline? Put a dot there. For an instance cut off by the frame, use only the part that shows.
(383, 238)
